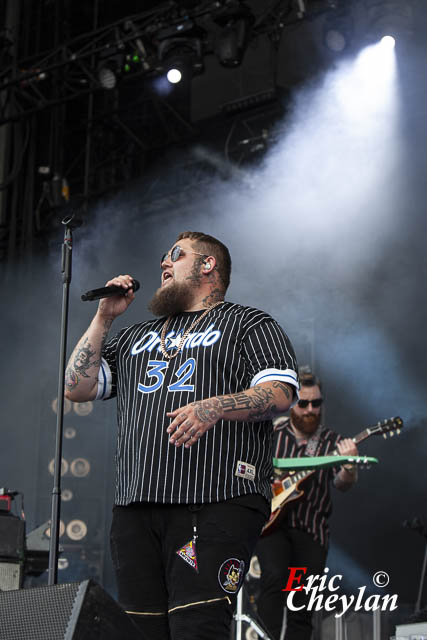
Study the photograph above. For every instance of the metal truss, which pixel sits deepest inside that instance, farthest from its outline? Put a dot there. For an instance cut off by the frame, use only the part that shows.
(51, 78)
(48, 79)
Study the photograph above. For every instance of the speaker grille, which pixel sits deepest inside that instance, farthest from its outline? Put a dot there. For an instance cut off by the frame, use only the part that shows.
(37, 614)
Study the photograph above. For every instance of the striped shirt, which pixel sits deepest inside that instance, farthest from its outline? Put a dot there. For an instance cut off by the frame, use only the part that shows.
(311, 513)
(231, 349)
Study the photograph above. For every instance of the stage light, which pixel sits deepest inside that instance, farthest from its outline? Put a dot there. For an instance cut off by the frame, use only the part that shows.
(64, 467)
(67, 405)
(76, 530)
(389, 19)
(231, 42)
(80, 467)
(107, 78)
(174, 76)
(83, 408)
(61, 529)
(67, 495)
(388, 42)
(180, 58)
(338, 32)
(235, 22)
(335, 40)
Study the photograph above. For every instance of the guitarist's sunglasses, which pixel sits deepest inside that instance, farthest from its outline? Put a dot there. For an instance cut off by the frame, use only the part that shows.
(317, 402)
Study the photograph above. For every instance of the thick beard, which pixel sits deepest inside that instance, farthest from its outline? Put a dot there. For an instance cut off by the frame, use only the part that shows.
(171, 299)
(306, 424)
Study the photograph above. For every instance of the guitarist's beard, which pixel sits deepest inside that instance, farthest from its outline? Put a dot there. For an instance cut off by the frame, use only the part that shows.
(307, 423)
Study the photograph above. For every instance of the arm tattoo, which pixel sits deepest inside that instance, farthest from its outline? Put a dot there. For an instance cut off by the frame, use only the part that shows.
(71, 378)
(283, 387)
(82, 359)
(263, 409)
(259, 405)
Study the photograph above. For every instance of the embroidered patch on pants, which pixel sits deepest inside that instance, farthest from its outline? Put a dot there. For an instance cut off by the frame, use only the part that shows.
(230, 575)
(188, 554)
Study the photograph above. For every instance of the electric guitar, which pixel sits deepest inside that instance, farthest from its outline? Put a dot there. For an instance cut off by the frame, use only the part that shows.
(286, 489)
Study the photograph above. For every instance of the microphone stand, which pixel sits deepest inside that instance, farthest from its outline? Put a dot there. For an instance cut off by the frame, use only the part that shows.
(422, 579)
(67, 247)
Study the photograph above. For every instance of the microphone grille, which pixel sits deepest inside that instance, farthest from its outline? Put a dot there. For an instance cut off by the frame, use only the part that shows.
(136, 284)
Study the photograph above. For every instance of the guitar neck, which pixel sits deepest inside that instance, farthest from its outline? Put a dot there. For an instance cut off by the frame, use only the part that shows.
(304, 473)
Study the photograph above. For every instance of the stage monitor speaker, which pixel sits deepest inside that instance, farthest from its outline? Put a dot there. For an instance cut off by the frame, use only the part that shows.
(70, 611)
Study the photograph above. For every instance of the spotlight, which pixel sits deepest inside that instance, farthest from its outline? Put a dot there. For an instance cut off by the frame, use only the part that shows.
(389, 18)
(180, 58)
(388, 42)
(174, 76)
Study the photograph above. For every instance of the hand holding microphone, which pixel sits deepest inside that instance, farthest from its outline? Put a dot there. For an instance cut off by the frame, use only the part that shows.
(109, 290)
(115, 297)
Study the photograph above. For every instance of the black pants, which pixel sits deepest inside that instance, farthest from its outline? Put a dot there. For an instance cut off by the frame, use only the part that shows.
(172, 591)
(285, 548)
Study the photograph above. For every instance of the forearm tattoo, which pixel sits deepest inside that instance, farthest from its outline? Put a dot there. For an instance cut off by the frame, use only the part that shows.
(81, 360)
(259, 404)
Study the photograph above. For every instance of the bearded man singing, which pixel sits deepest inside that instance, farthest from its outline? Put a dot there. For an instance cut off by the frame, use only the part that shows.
(301, 538)
(196, 391)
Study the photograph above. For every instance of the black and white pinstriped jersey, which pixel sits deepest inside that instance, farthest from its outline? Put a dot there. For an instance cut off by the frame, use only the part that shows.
(230, 350)
(312, 512)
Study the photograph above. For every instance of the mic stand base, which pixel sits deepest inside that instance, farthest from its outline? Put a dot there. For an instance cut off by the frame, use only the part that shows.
(241, 617)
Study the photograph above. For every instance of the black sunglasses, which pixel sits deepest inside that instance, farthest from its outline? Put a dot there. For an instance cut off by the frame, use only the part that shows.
(317, 402)
(177, 252)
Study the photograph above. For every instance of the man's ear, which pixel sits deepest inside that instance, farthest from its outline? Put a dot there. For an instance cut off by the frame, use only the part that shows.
(209, 264)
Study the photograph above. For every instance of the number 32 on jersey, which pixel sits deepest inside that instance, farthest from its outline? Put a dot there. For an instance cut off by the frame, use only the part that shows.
(157, 368)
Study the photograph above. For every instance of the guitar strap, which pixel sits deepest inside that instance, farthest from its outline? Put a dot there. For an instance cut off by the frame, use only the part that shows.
(312, 446)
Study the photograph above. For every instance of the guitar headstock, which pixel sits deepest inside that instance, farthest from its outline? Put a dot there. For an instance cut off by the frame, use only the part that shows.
(364, 462)
(387, 427)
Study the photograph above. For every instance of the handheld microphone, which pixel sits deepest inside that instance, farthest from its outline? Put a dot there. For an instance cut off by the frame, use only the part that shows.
(107, 292)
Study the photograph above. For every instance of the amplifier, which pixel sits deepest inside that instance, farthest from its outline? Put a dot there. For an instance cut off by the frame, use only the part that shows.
(12, 536)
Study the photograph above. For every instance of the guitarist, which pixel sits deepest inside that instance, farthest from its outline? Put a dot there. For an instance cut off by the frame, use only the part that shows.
(301, 537)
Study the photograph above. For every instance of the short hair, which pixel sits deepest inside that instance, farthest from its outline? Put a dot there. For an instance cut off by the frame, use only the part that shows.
(212, 247)
(307, 377)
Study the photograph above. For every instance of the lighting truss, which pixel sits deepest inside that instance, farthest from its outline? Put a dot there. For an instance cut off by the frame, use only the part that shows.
(42, 81)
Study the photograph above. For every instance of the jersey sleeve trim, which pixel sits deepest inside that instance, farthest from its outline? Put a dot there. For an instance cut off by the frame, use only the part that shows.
(104, 381)
(288, 375)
